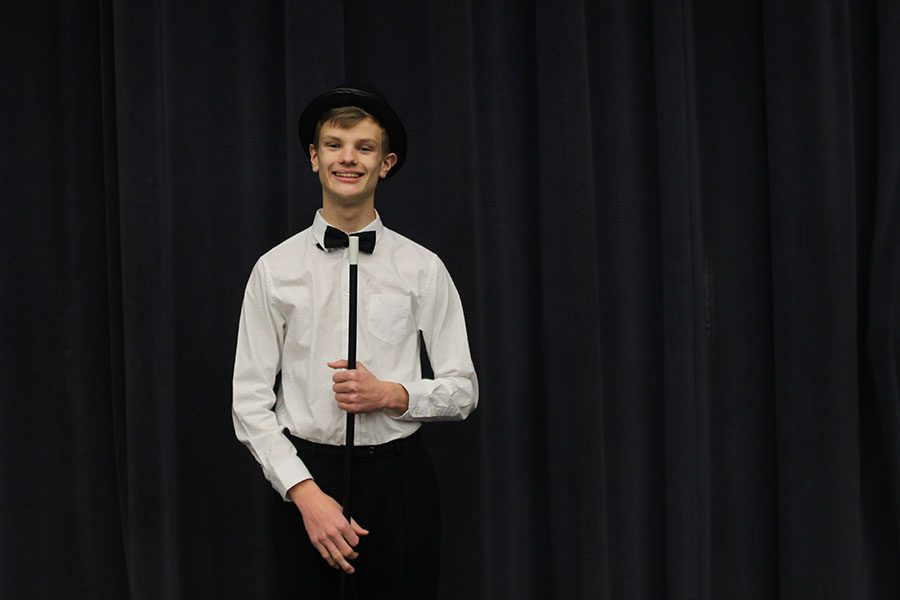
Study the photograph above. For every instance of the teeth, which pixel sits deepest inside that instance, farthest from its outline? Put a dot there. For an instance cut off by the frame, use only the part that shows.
(354, 175)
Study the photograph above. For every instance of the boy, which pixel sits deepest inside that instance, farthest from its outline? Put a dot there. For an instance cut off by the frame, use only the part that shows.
(294, 322)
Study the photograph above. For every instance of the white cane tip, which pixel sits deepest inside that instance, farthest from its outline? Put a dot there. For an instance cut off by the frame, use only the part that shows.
(354, 250)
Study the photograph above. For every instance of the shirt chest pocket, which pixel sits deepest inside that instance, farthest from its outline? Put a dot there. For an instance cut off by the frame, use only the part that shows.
(389, 316)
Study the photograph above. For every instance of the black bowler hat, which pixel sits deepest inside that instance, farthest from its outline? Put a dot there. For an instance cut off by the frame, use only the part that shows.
(365, 97)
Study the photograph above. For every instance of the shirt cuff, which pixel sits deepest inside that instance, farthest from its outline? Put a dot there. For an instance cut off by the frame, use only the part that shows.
(424, 403)
(287, 475)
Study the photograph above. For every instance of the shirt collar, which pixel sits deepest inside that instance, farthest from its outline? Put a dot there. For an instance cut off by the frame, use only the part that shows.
(319, 225)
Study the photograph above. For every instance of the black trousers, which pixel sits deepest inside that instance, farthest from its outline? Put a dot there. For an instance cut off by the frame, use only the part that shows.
(395, 497)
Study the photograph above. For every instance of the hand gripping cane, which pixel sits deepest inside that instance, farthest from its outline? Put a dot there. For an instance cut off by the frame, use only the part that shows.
(351, 418)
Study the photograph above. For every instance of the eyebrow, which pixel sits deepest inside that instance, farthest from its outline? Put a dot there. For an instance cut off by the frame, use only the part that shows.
(340, 139)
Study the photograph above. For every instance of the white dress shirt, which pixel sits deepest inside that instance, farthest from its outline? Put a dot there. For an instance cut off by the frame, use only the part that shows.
(294, 319)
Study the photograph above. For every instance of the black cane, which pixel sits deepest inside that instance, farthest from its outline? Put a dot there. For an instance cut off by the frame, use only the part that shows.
(351, 418)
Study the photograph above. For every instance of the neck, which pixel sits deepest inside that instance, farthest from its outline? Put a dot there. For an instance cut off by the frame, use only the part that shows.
(348, 218)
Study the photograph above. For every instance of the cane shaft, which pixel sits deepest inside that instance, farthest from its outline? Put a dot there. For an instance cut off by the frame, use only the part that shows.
(351, 364)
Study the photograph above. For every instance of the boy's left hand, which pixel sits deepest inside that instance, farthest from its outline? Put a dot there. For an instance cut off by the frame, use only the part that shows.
(359, 391)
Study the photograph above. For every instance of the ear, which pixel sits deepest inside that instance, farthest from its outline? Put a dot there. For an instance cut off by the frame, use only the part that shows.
(387, 163)
(314, 158)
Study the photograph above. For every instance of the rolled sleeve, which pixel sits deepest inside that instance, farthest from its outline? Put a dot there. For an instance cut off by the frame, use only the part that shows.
(453, 393)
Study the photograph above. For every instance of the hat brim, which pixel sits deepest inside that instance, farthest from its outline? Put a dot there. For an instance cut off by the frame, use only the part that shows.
(370, 101)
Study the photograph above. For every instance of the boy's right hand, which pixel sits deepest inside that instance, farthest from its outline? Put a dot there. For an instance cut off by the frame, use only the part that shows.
(326, 525)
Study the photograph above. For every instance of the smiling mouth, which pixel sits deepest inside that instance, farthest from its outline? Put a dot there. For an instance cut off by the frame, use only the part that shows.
(347, 175)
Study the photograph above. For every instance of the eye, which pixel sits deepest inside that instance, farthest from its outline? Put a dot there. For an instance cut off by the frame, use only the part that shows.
(365, 149)
(331, 144)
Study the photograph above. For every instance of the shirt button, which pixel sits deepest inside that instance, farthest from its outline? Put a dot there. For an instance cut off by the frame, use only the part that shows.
(371, 450)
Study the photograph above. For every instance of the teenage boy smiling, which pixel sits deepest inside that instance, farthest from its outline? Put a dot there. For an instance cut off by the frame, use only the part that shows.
(293, 322)
(349, 165)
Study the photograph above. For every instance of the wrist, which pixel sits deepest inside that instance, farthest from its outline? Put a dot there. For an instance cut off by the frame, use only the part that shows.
(397, 398)
(300, 492)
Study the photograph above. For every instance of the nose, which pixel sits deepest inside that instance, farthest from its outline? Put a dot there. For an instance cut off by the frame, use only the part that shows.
(348, 154)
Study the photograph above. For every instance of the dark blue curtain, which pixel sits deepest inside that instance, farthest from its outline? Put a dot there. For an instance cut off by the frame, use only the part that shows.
(675, 227)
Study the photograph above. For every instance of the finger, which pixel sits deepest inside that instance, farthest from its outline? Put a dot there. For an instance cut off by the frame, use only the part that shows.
(353, 403)
(338, 364)
(344, 377)
(345, 387)
(350, 536)
(340, 539)
(325, 554)
(344, 564)
(338, 557)
(358, 529)
(346, 551)
(342, 384)
(346, 398)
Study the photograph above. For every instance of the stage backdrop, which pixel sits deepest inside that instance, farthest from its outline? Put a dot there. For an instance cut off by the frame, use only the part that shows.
(675, 227)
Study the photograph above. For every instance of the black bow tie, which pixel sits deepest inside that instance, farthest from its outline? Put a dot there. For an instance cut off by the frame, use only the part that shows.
(335, 238)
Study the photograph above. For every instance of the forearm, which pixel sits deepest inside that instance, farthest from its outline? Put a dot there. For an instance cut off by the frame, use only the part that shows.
(256, 427)
(449, 398)
(452, 394)
(257, 361)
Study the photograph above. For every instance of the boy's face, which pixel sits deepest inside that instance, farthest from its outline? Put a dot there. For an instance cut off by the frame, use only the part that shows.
(350, 161)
